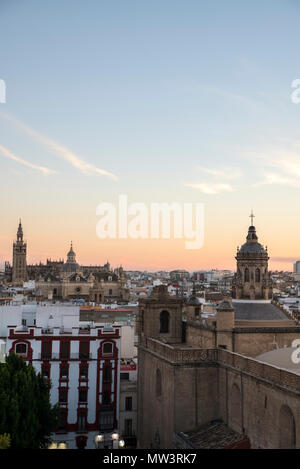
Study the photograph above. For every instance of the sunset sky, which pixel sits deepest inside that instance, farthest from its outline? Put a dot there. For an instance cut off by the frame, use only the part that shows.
(165, 101)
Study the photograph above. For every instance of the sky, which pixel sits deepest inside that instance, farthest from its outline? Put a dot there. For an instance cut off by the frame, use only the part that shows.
(164, 101)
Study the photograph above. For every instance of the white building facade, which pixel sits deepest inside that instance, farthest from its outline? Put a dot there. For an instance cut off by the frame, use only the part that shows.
(81, 360)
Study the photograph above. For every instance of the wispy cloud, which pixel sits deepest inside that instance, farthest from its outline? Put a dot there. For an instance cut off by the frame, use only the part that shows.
(228, 173)
(211, 188)
(60, 150)
(217, 180)
(10, 155)
(284, 259)
(281, 167)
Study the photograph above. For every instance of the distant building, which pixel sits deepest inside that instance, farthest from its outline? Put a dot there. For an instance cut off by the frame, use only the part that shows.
(19, 267)
(297, 267)
(296, 271)
(59, 280)
(177, 275)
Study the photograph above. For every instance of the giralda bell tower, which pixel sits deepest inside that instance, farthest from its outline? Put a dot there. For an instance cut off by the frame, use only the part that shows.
(19, 270)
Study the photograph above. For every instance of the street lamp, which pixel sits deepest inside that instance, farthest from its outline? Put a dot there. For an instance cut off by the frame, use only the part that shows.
(115, 439)
(107, 439)
(62, 445)
(98, 440)
(58, 445)
(122, 443)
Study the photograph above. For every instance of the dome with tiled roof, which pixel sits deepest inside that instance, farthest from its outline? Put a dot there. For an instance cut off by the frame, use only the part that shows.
(252, 246)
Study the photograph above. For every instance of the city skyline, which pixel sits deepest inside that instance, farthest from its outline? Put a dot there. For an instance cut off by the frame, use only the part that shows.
(161, 101)
(33, 259)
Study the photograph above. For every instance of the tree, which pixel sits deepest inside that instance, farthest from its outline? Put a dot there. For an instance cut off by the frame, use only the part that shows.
(4, 441)
(26, 413)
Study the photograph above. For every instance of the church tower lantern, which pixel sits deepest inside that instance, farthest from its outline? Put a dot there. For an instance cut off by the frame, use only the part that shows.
(252, 279)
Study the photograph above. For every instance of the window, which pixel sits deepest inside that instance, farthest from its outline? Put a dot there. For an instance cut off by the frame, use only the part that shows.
(106, 397)
(107, 373)
(65, 350)
(257, 275)
(107, 348)
(21, 349)
(247, 275)
(142, 320)
(83, 371)
(62, 420)
(64, 371)
(124, 376)
(197, 311)
(128, 403)
(128, 427)
(81, 422)
(158, 383)
(164, 322)
(106, 419)
(23, 322)
(63, 395)
(46, 371)
(82, 395)
(46, 350)
(110, 292)
(83, 350)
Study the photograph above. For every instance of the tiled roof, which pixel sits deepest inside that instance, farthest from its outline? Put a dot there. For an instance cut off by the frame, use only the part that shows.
(214, 435)
(257, 311)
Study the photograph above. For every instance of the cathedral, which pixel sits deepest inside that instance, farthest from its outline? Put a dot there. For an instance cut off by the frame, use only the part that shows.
(225, 380)
(59, 280)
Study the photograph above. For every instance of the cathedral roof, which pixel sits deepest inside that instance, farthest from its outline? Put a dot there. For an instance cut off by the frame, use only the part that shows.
(106, 276)
(76, 278)
(71, 264)
(49, 276)
(258, 311)
(252, 246)
(70, 267)
(71, 252)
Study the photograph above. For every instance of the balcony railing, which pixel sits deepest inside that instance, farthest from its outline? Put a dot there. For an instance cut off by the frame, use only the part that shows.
(62, 356)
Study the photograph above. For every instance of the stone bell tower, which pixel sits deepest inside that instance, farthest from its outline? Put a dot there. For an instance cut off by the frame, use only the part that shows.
(19, 269)
(252, 279)
(160, 316)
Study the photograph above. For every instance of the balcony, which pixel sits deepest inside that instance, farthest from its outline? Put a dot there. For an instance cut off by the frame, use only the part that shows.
(47, 330)
(66, 357)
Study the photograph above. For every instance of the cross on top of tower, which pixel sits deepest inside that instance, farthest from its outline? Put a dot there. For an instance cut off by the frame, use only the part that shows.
(252, 216)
